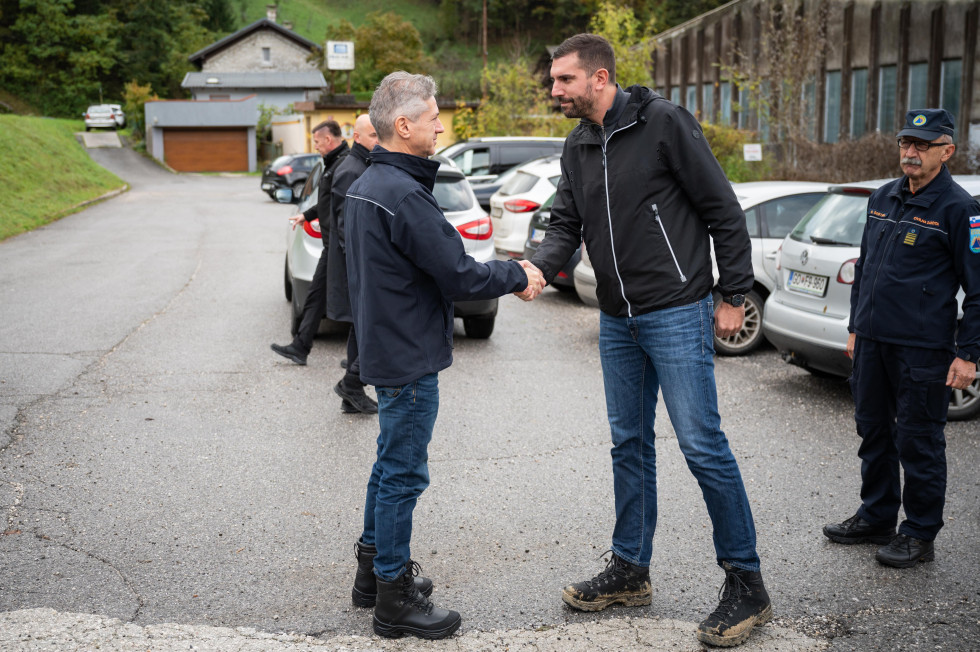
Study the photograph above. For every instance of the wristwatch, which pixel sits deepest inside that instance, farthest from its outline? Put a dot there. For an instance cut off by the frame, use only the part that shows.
(736, 300)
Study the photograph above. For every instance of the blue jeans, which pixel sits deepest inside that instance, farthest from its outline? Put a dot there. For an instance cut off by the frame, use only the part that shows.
(400, 474)
(670, 350)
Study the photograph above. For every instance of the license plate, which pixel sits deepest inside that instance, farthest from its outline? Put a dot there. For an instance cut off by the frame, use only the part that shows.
(496, 211)
(537, 235)
(807, 283)
(266, 186)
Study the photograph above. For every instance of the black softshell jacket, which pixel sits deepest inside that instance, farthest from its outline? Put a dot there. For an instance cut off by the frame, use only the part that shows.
(645, 193)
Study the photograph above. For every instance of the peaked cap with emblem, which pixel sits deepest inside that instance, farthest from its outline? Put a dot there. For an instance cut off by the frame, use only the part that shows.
(927, 124)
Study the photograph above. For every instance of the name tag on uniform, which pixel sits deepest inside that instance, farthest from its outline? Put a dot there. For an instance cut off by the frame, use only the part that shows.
(910, 236)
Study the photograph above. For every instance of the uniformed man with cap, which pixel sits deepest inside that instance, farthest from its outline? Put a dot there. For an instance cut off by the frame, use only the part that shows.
(921, 244)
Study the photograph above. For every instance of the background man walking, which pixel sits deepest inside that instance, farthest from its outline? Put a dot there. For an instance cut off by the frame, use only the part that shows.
(641, 185)
(407, 265)
(921, 244)
(329, 143)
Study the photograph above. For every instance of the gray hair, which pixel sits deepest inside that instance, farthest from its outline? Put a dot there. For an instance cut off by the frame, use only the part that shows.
(399, 94)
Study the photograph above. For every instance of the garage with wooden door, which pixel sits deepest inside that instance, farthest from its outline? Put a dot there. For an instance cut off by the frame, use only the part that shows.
(206, 150)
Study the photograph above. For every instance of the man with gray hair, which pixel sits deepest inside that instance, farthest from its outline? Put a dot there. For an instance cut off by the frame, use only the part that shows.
(406, 266)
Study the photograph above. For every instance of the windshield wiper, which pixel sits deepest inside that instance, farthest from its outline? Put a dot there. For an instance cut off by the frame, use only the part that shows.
(828, 241)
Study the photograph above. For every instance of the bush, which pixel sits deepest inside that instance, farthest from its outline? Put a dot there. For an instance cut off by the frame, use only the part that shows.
(726, 144)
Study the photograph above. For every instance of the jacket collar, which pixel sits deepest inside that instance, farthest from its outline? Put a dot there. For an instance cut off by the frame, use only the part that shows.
(421, 169)
(361, 152)
(625, 111)
(332, 155)
(927, 195)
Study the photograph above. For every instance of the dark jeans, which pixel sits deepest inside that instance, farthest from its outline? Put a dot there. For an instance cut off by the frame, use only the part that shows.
(314, 307)
(900, 404)
(400, 473)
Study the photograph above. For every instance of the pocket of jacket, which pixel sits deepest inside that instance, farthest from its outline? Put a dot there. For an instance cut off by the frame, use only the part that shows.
(670, 247)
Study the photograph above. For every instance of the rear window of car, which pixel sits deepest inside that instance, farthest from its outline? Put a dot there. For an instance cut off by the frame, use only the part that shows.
(453, 194)
(520, 182)
(838, 219)
(279, 162)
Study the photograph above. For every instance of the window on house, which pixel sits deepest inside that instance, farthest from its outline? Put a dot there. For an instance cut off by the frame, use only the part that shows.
(266, 55)
(675, 94)
(859, 101)
(918, 85)
(887, 89)
(725, 115)
(950, 85)
(691, 101)
(831, 130)
(708, 102)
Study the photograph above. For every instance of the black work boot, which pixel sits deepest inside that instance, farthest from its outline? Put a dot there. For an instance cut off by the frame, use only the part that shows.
(291, 352)
(365, 590)
(905, 552)
(401, 609)
(620, 582)
(744, 603)
(858, 530)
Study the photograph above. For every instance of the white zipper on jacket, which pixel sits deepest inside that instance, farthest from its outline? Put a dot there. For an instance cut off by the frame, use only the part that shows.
(663, 229)
(612, 242)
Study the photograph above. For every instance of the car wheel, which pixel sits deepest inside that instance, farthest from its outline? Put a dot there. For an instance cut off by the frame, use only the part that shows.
(479, 328)
(287, 283)
(298, 189)
(965, 403)
(750, 337)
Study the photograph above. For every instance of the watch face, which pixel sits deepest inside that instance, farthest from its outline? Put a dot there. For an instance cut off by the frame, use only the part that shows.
(738, 300)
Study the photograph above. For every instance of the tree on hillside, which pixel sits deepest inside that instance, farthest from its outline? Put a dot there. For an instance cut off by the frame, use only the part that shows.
(630, 41)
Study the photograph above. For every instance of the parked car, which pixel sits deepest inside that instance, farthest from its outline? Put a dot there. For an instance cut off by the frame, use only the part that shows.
(452, 191)
(806, 316)
(290, 171)
(772, 209)
(99, 116)
(584, 278)
(535, 234)
(511, 207)
(483, 159)
(118, 114)
(484, 190)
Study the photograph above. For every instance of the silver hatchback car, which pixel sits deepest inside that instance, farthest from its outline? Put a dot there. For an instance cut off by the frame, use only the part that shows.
(304, 244)
(807, 313)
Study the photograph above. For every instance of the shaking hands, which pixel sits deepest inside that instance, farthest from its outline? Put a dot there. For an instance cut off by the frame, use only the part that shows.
(535, 281)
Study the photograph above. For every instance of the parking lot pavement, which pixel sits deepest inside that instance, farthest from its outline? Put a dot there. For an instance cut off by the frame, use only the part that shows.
(95, 139)
(45, 629)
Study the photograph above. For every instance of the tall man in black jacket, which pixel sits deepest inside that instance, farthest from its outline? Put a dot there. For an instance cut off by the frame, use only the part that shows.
(329, 143)
(641, 186)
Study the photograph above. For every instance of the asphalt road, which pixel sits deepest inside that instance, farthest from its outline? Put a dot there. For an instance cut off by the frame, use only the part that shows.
(159, 464)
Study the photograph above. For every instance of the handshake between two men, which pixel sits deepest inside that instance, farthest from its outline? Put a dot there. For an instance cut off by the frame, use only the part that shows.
(535, 281)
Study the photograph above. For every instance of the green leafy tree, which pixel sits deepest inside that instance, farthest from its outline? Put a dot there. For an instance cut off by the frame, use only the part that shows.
(629, 39)
(135, 97)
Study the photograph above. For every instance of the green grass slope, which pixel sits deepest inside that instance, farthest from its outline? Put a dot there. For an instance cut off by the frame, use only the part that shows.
(45, 172)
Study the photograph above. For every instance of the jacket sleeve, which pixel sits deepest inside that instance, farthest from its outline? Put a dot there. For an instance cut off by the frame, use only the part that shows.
(421, 232)
(966, 262)
(564, 234)
(699, 174)
(859, 270)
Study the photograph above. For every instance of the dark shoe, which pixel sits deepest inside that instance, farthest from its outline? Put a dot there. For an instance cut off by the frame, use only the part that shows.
(365, 592)
(343, 363)
(402, 609)
(359, 400)
(348, 408)
(858, 530)
(290, 352)
(744, 603)
(905, 552)
(620, 582)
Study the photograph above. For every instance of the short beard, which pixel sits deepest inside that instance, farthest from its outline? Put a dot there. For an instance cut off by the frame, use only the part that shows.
(907, 160)
(580, 107)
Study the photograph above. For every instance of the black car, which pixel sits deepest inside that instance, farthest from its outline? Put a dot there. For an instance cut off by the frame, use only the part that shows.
(535, 234)
(288, 171)
(483, 159)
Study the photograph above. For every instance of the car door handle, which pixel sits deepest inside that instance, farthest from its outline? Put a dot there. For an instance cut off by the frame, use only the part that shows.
(772, 255)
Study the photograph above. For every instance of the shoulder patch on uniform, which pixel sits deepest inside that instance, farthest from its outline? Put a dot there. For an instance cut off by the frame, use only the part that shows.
(975, 234)
(448, 230)
(696, 133)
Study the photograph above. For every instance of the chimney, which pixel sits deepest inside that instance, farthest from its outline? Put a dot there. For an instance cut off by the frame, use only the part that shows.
(288, 24)
(270, 12)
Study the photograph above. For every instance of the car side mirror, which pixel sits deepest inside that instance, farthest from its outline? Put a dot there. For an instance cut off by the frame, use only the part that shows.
(285, 196)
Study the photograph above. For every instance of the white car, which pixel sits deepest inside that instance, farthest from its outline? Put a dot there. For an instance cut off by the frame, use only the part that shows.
(512, 206)
(772, 209)
(99, 115)
(806, 316)
(304, 244)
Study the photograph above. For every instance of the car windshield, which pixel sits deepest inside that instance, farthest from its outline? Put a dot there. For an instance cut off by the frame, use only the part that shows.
(453, 194)
(838, 219)
(520, 182)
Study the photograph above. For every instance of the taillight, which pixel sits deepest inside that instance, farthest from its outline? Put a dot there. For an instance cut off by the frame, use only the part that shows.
(312, 228)
(779, 258)
(846, 273)
(284, 170)
(521, 205)
(478, 229)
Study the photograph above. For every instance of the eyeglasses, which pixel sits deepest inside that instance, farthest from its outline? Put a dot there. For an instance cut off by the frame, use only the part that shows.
(920, 145)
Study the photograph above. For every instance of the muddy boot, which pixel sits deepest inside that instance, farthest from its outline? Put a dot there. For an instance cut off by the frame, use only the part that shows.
(744, 604)
(365, 590)
(401, 610)
(620, 583)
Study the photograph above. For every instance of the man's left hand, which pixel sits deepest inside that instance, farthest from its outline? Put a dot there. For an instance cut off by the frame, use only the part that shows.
(961, 374)
(728, 319)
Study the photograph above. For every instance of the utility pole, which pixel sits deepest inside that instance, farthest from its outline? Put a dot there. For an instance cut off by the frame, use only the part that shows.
(484, 33)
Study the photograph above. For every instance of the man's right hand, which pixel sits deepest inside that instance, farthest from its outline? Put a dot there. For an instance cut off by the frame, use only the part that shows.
(535, 281)
(851, 338)
(296, 219)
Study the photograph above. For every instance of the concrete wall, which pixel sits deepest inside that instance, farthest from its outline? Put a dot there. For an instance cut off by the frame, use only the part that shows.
(246, 55)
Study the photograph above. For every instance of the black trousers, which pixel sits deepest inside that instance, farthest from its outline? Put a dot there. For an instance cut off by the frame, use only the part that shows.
(313, 307)
(900, 404)
(352, 379)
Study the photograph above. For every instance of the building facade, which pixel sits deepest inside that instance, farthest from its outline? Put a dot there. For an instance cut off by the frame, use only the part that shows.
(849, 67)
